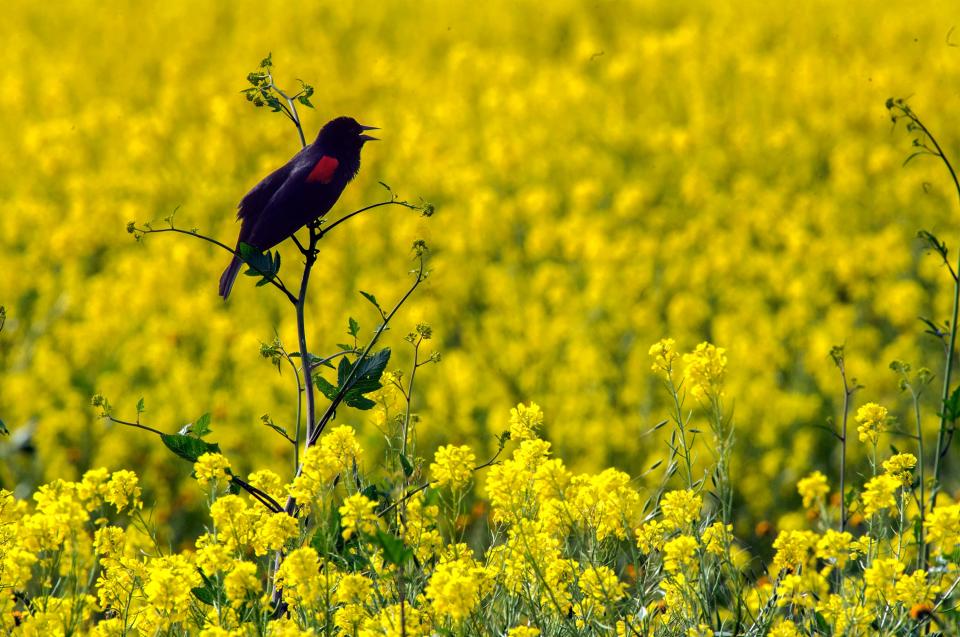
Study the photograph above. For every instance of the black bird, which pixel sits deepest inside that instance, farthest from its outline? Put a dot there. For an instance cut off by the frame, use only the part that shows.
(302, 190)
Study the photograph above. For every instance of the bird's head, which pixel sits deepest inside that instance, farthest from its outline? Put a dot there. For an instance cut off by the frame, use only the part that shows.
(344, 135)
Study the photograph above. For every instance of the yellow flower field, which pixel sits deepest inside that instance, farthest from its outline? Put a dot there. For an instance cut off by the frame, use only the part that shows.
(605, 175)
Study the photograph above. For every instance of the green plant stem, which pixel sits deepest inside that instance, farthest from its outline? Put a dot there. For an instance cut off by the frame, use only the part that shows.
(412, 492)
(310, 254)
(275, 280)
(408, 396)
(291, 109)
(951, 347)
(299, 426)
(843, 442)
(135, 424)
(331, 410)
(922, 553)
(392, 202)
(681, 427)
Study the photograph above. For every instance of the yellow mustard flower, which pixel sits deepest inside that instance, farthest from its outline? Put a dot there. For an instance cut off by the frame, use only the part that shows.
(664, 355)
(168, 589)
(784, 628)
(879, 494)
(299, 578)
(680, 554)
(836, 547)
(705, 370)
(453, 466)
(900, 466)
(681, 508)
(525, 420)
(872, 419)
(881, 578)
(123, 491)
(454, 589)
(915, 590)
(943, 527)
(813, 488)
(272, 531)
(357, 515)
(212, 467)
(716, 538)
(242, 582)
(793, 549)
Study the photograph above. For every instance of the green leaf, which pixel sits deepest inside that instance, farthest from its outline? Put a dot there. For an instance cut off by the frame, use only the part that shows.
(372, 299)
(280, 430)
(303, 99)
(371, 368)
(202, 426)
(353, 327)
(951, 407)
(370, 492)
(407, 466)
(204, 594)
(209, 593)
(262, 264)
(140, 406)
(3, 429)
(325, 387)
(354, 385)
(343, 371)
(188, 447)
(267, 62)
(358, 401)
(393, 549)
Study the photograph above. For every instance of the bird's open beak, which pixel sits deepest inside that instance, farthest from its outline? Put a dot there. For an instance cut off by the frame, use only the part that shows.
(369, 138)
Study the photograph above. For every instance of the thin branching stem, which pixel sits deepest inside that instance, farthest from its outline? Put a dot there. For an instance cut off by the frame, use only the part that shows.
(331, 410)
(259, 495)
(945, 434)
(422, 487)
(290, 110)
(274, 280)
(391, 202)
(311, 257)
(848, 391)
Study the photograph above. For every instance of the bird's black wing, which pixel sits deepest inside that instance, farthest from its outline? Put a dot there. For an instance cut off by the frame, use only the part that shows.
(259, 196)
(283, 212)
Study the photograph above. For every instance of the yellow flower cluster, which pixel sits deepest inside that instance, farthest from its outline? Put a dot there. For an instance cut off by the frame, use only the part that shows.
(335, 454)
(872, 419)
(453, 466)
(211, 467)
(813, 488)
(525, 421)
(357, 515)
(706, 368)
(664, 355)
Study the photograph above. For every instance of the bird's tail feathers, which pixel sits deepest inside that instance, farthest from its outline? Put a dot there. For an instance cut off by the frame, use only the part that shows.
(229, 276)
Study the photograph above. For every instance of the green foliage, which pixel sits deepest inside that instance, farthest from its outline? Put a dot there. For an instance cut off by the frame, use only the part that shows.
(262, 264)
(188, 447)
(356, 379)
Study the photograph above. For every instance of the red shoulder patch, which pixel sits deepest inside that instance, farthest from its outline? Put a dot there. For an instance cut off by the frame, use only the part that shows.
(323, 171)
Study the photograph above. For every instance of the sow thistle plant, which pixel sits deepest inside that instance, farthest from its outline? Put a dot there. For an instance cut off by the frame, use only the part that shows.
(414, 547)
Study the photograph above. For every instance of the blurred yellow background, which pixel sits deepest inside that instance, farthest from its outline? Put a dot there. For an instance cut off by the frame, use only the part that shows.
(605, 173)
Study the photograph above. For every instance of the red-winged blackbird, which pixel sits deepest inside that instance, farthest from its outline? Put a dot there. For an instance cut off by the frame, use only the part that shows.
(302, 190)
